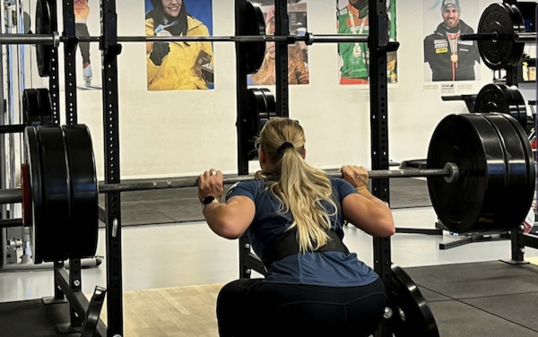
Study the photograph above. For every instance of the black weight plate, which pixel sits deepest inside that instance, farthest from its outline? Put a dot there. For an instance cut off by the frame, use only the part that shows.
(30, 107)
(501, 19)
(26, 196)
(471, 203)
(257, 106)
(517, 104)
(43, 25)
(45, 106)
(492, 98)
(254, 25)
(411, 315)
(519, 183)
(56, 193)
(527, 191)
(269, 101)
(38, 235)
(83, 190)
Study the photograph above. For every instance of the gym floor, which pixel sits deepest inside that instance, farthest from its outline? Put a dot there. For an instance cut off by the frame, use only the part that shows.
(188, 254)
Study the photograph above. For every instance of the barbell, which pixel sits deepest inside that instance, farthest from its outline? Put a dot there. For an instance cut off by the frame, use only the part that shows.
(481, 178)
(501, 36)
(252, 37)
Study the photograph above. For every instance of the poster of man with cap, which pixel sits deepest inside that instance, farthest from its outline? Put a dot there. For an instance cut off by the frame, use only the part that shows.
(446, 56)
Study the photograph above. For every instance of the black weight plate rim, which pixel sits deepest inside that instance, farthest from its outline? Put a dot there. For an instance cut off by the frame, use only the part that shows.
(513, 212)
(256, 102)
(26, 196)
(30, 107)
(419, 317)
(45, 102)
(38, 234)
(491, 98)
(517, 105)
(43, 26)
(255, 26)
(56, 192)
(519, 27)
(464, 206)
(529, 189)
(269, 100)
(521, 22)
(265, 112)
(512, 108)
(83, 190)
(491, 220)
(494, 53)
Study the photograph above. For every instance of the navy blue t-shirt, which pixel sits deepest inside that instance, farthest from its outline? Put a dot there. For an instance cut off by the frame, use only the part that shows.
(333, 269)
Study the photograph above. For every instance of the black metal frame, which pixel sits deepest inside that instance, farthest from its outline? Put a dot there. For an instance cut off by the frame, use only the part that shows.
(110, 49)
(378, 43)
(68, 285)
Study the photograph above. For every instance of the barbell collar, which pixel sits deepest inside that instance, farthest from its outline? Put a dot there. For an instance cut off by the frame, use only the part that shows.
(20, 39)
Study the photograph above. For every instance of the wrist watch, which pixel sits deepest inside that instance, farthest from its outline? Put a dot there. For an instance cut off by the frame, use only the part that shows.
(208, 200)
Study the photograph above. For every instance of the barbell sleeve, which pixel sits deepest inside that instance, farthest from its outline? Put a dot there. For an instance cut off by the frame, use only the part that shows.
(518, 37)
(526, 37)
(10, 196)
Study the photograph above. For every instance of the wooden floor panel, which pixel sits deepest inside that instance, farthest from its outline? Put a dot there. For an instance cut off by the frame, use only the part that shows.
(170, 312)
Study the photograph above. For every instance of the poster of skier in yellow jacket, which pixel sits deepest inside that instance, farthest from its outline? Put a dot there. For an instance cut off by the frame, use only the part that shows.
(82, 11)
(179, 65)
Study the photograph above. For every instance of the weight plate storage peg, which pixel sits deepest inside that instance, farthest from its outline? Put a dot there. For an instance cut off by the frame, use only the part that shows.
(477, 201)
(501, 19)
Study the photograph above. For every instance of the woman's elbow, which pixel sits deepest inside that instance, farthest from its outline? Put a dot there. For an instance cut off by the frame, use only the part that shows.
(228, 230)
(391, 230)
(387, 229)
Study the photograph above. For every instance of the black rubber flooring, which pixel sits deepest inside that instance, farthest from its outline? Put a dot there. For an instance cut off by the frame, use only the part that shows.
(33, 318)
(490, 299)
(166, 206)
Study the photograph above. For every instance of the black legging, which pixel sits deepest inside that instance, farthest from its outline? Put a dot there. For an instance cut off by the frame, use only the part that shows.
(250, 307)
(81, 29)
